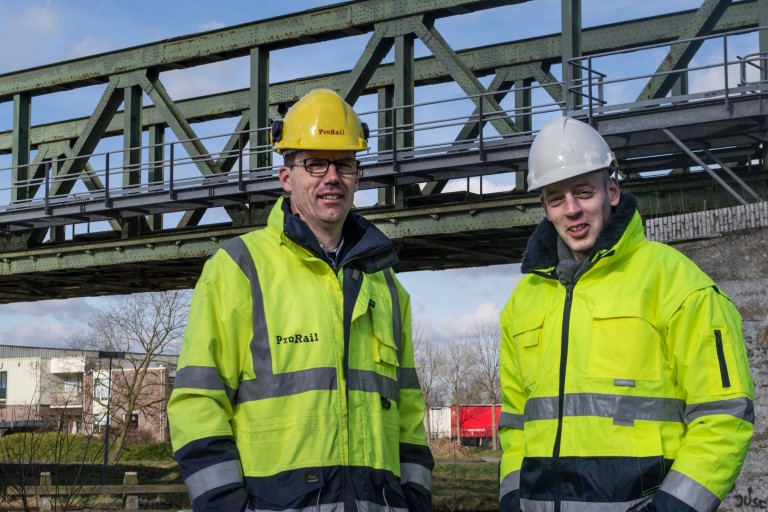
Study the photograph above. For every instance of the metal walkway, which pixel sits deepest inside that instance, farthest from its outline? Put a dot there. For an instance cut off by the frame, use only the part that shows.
(75, 221)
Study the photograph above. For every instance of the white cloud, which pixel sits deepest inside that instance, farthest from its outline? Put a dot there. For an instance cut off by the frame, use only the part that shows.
(208, 79)
(31, 36)
(489, 185)
(48, 323)
(40, 334)
(87, 46)
(41, 18)
(211, 25)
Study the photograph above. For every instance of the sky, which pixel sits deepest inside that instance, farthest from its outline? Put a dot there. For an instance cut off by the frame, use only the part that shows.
(445, 304)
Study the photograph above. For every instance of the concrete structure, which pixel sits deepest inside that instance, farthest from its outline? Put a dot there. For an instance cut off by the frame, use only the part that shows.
(68, 389)
(731, 245)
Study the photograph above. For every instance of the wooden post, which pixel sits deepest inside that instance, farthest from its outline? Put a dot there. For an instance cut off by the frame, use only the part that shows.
(44, 502)
(131, 479)
(45, 478)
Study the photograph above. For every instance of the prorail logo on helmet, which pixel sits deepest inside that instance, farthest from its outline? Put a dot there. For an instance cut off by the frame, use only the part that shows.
(297, 338)
(332, 131)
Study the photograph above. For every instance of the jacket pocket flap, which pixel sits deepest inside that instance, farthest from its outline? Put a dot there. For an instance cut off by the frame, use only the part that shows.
(528, 321)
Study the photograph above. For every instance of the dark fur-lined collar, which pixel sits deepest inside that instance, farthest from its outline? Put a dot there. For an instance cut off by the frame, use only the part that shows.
(541, 252)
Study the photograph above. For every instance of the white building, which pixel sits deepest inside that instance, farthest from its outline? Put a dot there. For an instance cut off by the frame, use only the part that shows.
(67, 389)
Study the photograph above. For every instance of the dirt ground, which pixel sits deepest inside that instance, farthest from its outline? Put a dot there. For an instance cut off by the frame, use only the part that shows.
(447, 449)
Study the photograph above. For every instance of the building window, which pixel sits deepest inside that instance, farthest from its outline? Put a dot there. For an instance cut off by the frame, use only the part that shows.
(101, 390)
(134, 422)
(3, 386)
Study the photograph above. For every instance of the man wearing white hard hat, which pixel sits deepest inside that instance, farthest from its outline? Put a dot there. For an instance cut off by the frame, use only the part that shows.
(625, 382)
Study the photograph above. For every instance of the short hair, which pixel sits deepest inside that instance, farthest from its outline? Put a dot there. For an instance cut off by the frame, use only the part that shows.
(289, 158)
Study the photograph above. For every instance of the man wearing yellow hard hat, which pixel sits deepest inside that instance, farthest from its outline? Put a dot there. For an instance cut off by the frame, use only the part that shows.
(296, 387)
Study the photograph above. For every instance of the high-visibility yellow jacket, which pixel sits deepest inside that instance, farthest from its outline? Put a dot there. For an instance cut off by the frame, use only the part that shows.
(296, 385)
(625, 385)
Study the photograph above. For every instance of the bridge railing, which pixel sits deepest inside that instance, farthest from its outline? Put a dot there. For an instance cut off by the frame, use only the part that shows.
(462, 124)
(725, 77)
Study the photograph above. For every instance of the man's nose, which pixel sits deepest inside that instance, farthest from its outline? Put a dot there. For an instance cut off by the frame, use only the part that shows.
(332, 176)
(572, 205)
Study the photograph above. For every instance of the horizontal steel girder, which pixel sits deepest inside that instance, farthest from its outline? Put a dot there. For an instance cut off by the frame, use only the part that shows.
(469, 232)
(321, 24)
(482, 61)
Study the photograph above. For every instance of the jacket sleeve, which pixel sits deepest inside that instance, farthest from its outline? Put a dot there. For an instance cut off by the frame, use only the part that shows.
(416, 462)
(511, 418)
(708, 357)
(200, 407)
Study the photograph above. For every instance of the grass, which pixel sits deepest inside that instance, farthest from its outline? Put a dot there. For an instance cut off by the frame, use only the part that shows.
(464, 479)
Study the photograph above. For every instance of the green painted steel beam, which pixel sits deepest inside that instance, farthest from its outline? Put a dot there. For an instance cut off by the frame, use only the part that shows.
(501, 211)
(680, 55)
(326, 23)
(482, 61)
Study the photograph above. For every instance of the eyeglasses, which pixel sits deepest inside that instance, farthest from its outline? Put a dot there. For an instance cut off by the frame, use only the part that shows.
(319, 166)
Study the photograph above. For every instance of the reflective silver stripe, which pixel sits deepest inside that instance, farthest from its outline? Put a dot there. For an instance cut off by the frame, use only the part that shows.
(362, 506)
(690, 492)
(509, 483)
(607, 406)
(260, 350)
(365, 380)
(409, 379)
(212, 477)
(417, 474)
(202, 377)
(286, 384)
(326, 507)
(582, 506)
(367, 506)
(742, 408)
(509, 420)
(397, 325)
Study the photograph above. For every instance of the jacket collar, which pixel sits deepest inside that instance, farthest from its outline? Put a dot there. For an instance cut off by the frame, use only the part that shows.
(541, 253)
(365, 247)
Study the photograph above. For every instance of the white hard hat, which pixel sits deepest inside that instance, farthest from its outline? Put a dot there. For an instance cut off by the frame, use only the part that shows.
(564, 148)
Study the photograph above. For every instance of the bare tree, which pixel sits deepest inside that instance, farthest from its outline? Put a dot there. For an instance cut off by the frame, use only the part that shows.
(39, 449)
(145, 327)
(485, 338)
(459, 368)
(430, 368)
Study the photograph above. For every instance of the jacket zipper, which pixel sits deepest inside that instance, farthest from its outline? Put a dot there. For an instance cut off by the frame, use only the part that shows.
(561, 395)
(721, 359)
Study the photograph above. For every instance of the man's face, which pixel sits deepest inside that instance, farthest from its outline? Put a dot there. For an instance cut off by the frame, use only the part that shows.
(580, 207)
(322, 202)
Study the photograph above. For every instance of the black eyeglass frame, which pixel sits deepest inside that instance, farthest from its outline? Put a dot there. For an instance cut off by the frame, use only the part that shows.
(303, 163)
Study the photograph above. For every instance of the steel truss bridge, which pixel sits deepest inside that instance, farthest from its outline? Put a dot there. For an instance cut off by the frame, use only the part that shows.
(135, 198)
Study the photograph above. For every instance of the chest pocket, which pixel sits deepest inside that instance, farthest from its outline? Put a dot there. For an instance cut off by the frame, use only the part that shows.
(625, 345)
(526, 337)
(384, 348)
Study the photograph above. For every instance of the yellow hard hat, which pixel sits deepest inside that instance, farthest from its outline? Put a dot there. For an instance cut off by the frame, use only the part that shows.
(320, 120)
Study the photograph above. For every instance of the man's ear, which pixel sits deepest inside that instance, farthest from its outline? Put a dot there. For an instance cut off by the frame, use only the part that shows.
(544, 204)
(285, 178)
(614, 191)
